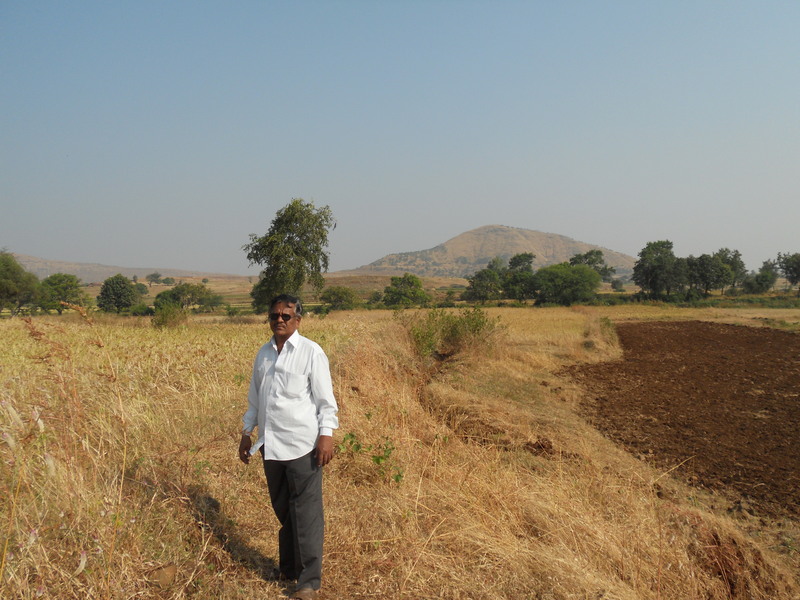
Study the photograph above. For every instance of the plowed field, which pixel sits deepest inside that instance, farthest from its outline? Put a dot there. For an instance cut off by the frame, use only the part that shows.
(721, 401)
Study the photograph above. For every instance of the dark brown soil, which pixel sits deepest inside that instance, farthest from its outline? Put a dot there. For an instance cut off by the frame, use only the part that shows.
(723, 398)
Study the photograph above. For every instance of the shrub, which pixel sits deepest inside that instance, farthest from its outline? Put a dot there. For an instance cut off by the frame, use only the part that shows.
(141, 310)
(169, 315)
(441, 334)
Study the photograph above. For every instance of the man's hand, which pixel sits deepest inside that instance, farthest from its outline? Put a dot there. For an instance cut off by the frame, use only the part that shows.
(244, 448)
(324, 450)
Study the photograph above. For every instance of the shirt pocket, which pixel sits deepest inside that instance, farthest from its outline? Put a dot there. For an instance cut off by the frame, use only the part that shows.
(295, 384)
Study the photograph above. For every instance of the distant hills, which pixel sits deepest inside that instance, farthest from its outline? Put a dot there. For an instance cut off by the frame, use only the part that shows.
(458, 257)
(471, 251)
(96, 273)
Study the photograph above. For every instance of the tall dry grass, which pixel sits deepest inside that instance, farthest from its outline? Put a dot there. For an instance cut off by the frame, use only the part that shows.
(469, 477)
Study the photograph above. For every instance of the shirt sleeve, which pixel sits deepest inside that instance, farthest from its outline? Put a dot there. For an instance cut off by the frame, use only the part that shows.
(250, 418)
(322, 393)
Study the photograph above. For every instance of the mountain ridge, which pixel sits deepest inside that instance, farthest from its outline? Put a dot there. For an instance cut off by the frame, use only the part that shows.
(458, 257)
(472, 250)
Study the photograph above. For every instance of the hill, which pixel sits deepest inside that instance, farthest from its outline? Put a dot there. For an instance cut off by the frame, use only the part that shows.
(97, 273)
(456, 258)
(471, 251)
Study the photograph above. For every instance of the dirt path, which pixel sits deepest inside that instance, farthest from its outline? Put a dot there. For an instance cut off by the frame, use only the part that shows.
(723, 398)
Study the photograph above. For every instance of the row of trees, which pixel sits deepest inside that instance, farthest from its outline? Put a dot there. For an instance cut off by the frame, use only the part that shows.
(21, 290)
(565, 283)
(662, 275)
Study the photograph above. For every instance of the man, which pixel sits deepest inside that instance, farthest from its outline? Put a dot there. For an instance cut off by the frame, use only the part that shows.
(291, 401)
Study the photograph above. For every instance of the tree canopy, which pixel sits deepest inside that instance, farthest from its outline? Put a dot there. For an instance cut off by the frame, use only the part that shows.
(18, 287)
(116, 294)
(513, 281)
(595, 260)
(292, 252)
(405, 291)
(565, 284)
(658, 271)
(58, 288)
(187, 295)
(789, 264)
(339, 297)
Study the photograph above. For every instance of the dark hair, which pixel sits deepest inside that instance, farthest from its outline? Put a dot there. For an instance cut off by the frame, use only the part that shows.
(288, 299)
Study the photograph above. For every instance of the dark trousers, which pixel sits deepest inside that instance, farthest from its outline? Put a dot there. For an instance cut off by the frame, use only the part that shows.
(295, 489)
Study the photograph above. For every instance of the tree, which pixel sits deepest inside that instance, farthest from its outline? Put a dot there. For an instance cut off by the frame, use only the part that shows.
(153, 278)
(404, 292)
(595, 260)
(340, 298)
(483, 286)
(706, 273)
(116, 294)
(761, 282)
(733, 259)
(18, 287)
(292, 252)
(58, 288)
(789, 264)
(187, 295)
(658, 271)
(565, 284)
(517, 280)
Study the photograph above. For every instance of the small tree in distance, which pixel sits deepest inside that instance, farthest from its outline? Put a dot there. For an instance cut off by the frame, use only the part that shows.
(565, 284)
(789, 264)
(292, 252)
(338, 297)
(58, 288)
(404, 292)
(116, 294)
(18, 288)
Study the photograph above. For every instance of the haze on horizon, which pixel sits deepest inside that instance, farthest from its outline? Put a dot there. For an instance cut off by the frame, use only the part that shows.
(163, 134)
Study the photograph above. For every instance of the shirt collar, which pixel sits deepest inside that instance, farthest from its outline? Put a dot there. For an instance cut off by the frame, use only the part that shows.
(292, 340)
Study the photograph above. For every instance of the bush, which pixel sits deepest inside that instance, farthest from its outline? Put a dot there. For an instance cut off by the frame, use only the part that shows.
(169, 315)
(141, 310)
(441, 334)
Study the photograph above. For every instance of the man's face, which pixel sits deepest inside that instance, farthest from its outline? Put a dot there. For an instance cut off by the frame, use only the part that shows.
(282, 328)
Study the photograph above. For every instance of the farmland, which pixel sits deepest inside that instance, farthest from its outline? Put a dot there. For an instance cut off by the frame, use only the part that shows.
(120, 479)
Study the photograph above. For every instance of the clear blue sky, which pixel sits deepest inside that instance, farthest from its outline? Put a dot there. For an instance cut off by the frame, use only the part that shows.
(163, 133)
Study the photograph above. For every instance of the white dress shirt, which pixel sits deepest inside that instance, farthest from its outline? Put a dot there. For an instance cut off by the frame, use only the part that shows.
(290, 399)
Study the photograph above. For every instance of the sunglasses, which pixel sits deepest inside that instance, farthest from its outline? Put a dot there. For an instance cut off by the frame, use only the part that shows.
(275, 316)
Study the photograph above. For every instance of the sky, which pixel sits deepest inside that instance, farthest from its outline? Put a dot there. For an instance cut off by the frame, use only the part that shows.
(162, 134)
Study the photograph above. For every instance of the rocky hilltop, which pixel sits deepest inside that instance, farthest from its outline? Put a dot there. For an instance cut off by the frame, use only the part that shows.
(471, 251)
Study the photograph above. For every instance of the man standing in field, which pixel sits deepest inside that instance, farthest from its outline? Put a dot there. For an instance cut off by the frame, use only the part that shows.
(291, 401)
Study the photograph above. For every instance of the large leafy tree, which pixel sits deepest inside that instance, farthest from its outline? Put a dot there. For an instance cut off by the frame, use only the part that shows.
(484, 285)
(18, 287)
(565, 284)
(595, 260)
(59, 288)
(187, 295)
(762, 281)
(518, 277)
(789, 264)
(339, 297)
(116, 294)
(733, 260)
(405, 291)
(658, 271)
(292, 252)
(707, 272)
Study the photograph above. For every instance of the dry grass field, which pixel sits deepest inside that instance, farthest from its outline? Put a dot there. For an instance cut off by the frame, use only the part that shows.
(472, 477)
